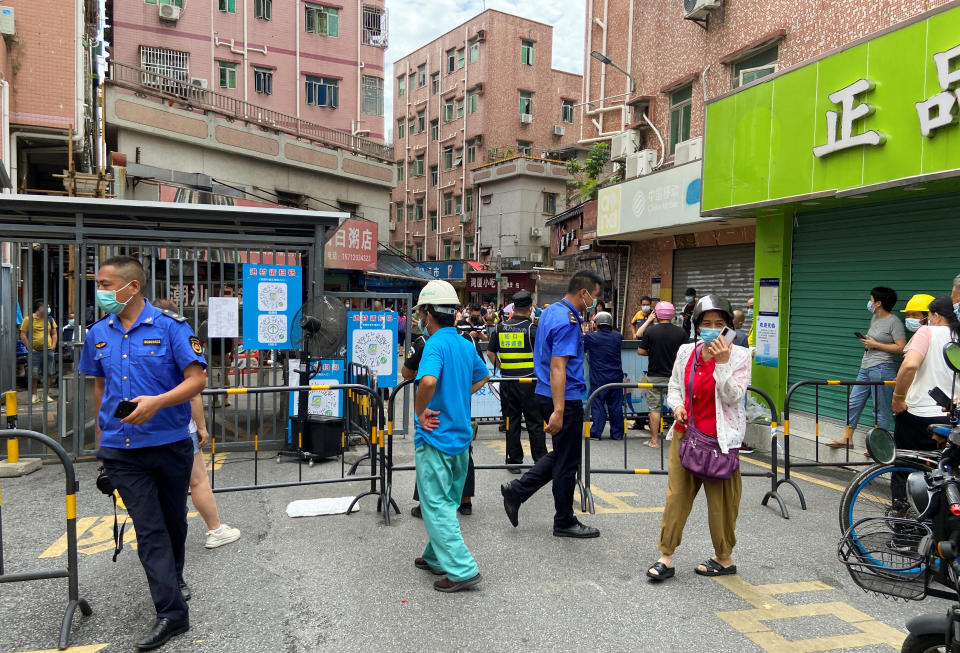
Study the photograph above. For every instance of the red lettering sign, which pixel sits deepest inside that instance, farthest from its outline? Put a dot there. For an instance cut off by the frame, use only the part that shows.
(353, 246)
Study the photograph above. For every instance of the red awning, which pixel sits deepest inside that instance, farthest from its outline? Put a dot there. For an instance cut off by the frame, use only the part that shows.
(477, 266)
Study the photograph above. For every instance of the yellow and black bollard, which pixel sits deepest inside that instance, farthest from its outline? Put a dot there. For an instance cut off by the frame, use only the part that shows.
(13, 465)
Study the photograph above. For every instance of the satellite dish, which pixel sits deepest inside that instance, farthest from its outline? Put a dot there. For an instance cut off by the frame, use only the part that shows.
(322, 323)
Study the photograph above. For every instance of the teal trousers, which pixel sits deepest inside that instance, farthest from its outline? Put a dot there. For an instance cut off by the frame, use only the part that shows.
(440, 479)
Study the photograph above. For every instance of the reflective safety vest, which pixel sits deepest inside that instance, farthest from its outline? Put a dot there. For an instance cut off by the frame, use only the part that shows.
(516, 348)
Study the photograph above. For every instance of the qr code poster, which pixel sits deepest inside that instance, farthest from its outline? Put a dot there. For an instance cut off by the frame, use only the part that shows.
(272, 297)
(485, 402)
(372, 341)
(325, 403)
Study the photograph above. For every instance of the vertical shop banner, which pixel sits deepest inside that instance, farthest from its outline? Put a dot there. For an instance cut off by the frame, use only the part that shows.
(768, 323)
(323, 403)
(372, 341)
(273, 294)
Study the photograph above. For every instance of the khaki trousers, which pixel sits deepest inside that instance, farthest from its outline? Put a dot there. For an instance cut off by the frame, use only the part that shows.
(723, 506)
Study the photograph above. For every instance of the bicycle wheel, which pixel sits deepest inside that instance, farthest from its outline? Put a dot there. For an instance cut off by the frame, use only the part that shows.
(869, 494)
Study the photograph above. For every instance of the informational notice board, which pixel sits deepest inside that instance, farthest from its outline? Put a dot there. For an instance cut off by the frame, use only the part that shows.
(272, 296)
(326, 403)
(372, 341)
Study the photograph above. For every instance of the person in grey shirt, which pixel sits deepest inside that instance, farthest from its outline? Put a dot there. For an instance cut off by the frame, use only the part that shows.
(882, 346)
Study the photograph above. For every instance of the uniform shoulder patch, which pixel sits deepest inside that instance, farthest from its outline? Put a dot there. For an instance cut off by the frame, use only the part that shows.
(195, 344)
(101, 344)
(174, 316)
(573, 318)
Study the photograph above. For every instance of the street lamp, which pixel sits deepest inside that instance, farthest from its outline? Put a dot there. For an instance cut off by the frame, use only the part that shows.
(607, 61)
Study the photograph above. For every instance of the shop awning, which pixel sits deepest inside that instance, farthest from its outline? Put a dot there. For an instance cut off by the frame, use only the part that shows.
(391, 266)
(477, 266)
(569, 213)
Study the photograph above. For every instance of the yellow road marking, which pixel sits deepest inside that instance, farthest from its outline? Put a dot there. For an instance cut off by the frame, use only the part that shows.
(95, 535)
(750, 622)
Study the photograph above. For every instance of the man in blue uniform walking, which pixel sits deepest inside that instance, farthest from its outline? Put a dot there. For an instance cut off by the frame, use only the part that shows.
(146, 365)
(558, 362)
(606, 366)
(449, 373)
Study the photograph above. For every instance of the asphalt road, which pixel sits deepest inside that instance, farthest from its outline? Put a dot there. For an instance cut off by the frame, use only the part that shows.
(347, 583)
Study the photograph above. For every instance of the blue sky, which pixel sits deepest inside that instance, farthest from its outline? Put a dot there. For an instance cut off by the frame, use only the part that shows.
(414, 23)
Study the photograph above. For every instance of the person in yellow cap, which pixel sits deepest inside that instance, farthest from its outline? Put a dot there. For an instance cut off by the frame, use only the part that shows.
(916, 312)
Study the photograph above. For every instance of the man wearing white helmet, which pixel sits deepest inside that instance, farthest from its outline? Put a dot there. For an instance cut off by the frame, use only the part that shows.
(449, 373)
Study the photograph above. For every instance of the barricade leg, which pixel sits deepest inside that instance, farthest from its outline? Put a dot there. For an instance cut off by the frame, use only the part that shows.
(774, 484)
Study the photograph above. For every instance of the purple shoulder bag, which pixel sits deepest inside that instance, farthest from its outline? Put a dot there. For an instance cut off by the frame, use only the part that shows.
(700, 454)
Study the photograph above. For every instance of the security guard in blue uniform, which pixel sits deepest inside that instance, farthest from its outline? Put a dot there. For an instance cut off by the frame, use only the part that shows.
(606, 366)
(146, 365)
(558, 362)
(513, 342)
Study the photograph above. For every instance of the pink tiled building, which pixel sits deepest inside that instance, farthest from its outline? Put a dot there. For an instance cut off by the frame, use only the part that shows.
(482, 92)
(319, 61)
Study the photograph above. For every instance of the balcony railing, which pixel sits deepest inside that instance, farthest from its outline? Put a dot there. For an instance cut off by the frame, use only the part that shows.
(183, 92)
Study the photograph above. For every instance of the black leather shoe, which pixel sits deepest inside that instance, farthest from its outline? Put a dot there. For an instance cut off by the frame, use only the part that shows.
(577, 530)
(415, 512)
(465, 509)
(185, 590)
(162, 632)
(511, 504)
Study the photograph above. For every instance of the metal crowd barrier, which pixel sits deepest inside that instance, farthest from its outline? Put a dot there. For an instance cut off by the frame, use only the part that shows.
(369, 411)
(71, 572)
(586, 496)
(848, 433)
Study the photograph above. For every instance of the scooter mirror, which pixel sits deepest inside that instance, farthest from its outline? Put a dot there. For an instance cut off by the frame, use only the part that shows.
(881, 446)
(951, 354)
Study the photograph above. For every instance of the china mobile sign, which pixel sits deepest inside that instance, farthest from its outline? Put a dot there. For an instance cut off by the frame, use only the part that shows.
(353, 246)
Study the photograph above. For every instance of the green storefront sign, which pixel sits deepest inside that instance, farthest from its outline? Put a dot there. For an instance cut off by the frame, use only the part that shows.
(880, 114)
(879, 111)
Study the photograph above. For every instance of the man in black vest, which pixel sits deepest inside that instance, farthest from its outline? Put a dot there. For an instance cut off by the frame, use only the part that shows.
(513, 341)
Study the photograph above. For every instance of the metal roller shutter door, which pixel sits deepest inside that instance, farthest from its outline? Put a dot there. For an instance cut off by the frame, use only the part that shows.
(726, 271)
(838, 256)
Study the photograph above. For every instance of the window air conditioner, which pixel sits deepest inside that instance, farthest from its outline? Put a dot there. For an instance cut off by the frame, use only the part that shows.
(558, 130)
(535, 233)
(689, 150)
(641, 163)
(169, 13)
(196, 81)
(526, 118)
(699, 9)
(624, 144)
(464, 218)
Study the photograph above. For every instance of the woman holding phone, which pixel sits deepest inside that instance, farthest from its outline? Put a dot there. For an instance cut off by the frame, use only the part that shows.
(706, 392)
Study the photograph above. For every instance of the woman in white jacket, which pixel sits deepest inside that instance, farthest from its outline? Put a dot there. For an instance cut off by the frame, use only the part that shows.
(719, 374)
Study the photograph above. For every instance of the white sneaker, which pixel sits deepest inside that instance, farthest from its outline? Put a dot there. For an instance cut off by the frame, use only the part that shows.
(35, 400)
(226, 535)
(51, 400)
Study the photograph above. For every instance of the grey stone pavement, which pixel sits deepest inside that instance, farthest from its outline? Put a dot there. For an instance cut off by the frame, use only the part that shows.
(347, 583)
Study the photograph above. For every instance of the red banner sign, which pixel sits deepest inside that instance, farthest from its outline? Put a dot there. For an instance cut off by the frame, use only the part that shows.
(353, 246)
(486, 282)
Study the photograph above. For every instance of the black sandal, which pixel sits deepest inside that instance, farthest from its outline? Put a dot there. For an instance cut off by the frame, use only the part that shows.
(663, 572)
(714, 568)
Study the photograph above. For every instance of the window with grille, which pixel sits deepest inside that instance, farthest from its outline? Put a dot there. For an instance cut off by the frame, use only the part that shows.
(374, 26)
(323, 92)
(263, 9)
(321, 19)
(263, 80)
(169, 63)
(526, 52)
(566, 110)
(372, 95)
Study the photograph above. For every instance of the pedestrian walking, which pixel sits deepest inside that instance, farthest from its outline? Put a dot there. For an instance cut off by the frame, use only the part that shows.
(448, 375)
(511, 349)
(660, 343)
(602, 348)
(558, 362)
(707, 387)
(39, 333)
(146, 365)
(690, 297)
(884, 341)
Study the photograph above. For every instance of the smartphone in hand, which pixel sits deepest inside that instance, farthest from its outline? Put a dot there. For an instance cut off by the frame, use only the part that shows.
(124, 409)
(940, 397)
(859, 335)
(728, 334)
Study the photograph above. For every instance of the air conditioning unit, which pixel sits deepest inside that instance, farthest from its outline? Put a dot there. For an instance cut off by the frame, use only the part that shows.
(558, 130)
(7, 23)
(481, 35)
(464, 218)
(689, 150)
(559, 264)
(536, 257)
(169, 13)
(526, 118)
(535, 233)
(641, 163)
(624, 144)
(197, 81)
(393, 226)
(699, 9)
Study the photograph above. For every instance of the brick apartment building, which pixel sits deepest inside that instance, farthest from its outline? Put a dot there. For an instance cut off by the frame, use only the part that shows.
(678, 64)
(482, 92)
(45, 66)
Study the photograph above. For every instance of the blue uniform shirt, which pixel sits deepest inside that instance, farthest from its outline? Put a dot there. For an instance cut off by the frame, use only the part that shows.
(453, 361)
(603, 347)
(149, 359)
(559, 334)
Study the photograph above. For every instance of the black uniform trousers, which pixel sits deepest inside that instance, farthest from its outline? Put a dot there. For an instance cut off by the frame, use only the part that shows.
(560, 465)
(153, 483)
(519, 399)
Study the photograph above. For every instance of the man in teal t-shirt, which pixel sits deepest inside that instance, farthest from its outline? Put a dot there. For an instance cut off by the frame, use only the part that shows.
(450, 372)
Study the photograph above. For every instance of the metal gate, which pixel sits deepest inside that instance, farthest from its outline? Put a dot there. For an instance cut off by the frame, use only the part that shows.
(726, 271)
(51, 250)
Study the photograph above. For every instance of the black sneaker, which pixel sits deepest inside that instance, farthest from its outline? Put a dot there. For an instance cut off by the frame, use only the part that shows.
(465, 509)
(745, 448)
(415, 512)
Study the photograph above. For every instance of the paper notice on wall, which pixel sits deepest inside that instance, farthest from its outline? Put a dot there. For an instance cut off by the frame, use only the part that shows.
(768, 339)
(224, 317)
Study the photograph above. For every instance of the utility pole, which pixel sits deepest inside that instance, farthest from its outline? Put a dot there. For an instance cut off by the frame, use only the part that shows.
(499, 278)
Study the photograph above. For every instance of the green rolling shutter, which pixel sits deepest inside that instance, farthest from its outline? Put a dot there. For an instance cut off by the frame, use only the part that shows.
(838, 256)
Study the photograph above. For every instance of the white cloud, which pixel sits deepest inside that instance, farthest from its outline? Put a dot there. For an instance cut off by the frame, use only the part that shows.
(414, 23)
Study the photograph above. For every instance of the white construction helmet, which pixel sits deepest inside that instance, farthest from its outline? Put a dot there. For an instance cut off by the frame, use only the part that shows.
(438, 293)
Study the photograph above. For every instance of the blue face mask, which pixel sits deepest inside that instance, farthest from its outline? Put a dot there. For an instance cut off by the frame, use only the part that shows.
(107, 300)
(956, 310)
(687, 298)
(709, 335)
(870, 306)
(749, 313)
(912, 323)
